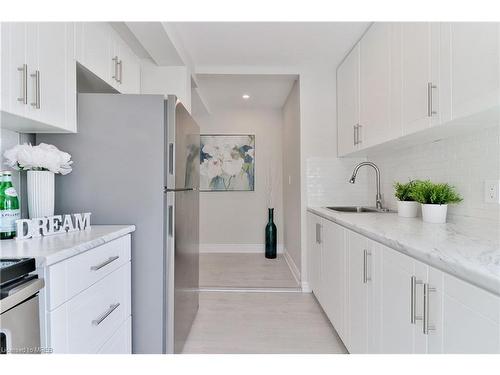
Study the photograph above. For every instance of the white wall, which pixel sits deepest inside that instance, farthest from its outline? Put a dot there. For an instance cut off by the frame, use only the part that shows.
(464, 161)
(291, 175)
(235, 221)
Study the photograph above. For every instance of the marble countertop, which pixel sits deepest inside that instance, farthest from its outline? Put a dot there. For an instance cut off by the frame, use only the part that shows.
(469, 252)
(53, 249)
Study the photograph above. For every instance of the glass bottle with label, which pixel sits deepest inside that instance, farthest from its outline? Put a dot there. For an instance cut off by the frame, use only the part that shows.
(9, 207)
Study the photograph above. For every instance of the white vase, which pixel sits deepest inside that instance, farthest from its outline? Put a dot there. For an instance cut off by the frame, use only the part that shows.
(407, 208)
(434, 213)
(40, 193)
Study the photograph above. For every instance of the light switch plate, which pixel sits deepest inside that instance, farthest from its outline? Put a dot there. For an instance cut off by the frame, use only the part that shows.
(491, 191)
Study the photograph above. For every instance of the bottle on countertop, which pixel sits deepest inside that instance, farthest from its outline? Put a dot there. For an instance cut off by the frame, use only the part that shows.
(9, 207)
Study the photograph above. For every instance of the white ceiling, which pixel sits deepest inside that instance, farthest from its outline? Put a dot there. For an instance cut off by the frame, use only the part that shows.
(224, 92)
(267, 43)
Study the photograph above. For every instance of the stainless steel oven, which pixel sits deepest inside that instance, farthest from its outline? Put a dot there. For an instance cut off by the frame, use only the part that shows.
(19, 312)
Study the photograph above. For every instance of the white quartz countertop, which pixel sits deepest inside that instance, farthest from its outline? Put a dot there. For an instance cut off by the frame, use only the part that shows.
(469, 252)
(52, 249)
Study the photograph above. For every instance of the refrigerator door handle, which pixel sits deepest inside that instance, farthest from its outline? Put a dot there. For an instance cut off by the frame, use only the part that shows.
(170, 220)
(167, 190)
(171, 158)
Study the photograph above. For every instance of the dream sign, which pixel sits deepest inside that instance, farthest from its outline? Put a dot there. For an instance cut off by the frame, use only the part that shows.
(47, 226)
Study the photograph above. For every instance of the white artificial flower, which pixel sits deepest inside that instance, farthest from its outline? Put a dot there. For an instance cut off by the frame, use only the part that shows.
(42, 157)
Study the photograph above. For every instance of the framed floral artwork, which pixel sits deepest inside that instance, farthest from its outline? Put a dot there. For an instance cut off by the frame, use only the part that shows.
(227, 162)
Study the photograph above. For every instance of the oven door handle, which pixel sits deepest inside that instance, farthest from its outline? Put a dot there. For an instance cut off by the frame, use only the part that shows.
(21, 293)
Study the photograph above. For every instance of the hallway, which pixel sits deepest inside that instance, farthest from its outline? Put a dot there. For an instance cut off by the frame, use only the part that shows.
(268, 322)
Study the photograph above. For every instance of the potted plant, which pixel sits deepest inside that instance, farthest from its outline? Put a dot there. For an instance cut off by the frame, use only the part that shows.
(434, 198)
(41, 162)
(407, 207)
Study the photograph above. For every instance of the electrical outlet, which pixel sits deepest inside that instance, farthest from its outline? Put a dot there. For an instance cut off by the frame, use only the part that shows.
(491, 191)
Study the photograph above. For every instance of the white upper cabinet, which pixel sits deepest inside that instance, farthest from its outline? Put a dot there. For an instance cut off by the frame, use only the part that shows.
(126, 72)
(413, 76)
(39, 86)
(55, 62)
(95, 48)
(375, 85)
(102, 51)
(348, 131)
(475, 67)
(419, 86)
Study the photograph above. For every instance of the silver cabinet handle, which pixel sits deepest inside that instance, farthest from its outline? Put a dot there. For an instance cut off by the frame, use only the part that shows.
(430, 110)
(318, 233)
(120, 71)
(105, 314)
(427, 326)
(413, 299)
(36, 77)
(354, 135)
(115, 64)
(366, 278)
(105, 263)
(24, 84)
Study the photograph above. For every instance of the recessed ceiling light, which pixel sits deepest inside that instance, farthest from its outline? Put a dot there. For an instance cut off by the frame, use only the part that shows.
(245, 96)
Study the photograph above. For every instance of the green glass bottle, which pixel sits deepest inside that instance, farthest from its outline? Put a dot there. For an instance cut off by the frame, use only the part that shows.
(271, 236)
(9, 207)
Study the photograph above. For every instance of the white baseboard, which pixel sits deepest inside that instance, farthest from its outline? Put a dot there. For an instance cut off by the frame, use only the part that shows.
(306, 288)
(235, 248)
(291, 264)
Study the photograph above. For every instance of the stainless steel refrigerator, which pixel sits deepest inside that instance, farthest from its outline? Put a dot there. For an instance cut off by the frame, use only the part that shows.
(136, 161)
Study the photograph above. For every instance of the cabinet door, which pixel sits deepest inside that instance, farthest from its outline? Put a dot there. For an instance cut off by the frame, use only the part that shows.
(397, 330)
(475, 67)
(130, 71)
(348, 102)
(471, 318)
(97, 49)
(416, 61)
(14, 98)
(333, 274)
(357, 293)
(314, 252)
(53, 62)
(374, 83)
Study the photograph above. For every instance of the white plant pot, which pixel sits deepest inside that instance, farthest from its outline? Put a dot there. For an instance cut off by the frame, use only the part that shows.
(40, 194)
(407, 208)
(434, 213)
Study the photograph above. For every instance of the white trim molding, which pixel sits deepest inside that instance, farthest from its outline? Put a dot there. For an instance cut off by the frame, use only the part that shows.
(235, 248)
(291, 264)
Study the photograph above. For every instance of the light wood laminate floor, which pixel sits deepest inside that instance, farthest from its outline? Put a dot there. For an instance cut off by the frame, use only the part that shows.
(232, 270)
(279, 323)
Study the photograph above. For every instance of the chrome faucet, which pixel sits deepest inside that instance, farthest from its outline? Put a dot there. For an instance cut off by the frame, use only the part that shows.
(377, 174)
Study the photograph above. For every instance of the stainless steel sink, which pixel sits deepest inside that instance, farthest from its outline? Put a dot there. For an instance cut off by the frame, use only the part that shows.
(358, 209)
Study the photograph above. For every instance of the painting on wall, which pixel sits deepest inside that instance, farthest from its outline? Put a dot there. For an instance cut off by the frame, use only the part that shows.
(227, 162)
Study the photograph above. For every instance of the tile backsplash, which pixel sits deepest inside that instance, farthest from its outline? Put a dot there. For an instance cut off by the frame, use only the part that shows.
(328, 182)
(464, 161)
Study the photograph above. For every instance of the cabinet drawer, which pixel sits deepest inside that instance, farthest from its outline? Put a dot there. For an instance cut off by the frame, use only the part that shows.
(86, 322)
(70, 277)
(121, 341)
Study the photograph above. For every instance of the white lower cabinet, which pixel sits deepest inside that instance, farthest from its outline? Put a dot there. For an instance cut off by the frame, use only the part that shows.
(314, 253)
(93, 314)
(382, 301)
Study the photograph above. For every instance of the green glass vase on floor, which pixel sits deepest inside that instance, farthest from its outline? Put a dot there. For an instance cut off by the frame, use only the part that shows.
(271, 236)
